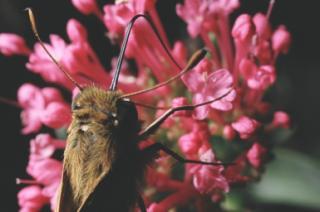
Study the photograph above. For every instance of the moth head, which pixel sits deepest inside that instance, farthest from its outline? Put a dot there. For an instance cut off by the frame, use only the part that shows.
(105, 108)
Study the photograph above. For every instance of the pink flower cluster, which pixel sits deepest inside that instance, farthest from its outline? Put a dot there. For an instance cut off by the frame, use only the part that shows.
(241, 61)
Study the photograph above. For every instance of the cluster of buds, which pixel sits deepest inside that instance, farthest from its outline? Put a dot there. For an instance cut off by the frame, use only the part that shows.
(241, 61)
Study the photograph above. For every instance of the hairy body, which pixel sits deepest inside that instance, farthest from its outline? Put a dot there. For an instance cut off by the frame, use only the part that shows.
(103, 167)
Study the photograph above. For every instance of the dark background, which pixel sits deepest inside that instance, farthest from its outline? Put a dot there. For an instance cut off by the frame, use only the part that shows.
(299, 74)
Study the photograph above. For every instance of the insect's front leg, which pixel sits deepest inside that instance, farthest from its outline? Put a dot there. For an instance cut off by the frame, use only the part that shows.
(149, 130)
(156, 124)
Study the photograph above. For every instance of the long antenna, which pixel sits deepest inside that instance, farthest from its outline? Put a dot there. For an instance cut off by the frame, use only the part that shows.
(270, 7)
(35, 31)
(195, 59)
(114, 82)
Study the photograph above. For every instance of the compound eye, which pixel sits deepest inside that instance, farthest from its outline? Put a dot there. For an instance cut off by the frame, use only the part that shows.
(75, 106)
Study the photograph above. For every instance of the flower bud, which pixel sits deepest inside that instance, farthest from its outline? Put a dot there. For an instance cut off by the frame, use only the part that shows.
(12, 44)
(86, 6)
(281, 40)
(76, 32)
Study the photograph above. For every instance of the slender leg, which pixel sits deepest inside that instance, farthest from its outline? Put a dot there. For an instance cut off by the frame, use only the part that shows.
(141, 204)
(154, 148)
(156, 124)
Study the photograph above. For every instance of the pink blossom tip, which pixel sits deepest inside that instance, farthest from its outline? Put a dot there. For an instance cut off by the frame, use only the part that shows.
(255, 155)
(281, 40)
(281, 119)
(12, 44)
(76, 31)
(245, 126)
(86, 6)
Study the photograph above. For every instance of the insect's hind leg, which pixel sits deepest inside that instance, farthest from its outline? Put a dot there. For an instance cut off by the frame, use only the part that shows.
(154, 148)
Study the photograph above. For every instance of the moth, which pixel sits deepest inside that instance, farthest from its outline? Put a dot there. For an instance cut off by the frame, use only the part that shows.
(103, 167)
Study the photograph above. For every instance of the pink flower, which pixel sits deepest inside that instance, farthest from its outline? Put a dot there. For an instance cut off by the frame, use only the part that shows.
(162, 181)
(202, 15)
(281, 119)
(234, 173)
(190, 143)
(208, 87)
(142, 40)
(263, 28)
(193, 12)
(255, 155)
(46, 171)
(40, 63)
(262, 77)
(76, 32)
(117, 16)
(84, 65)
(12, 44)
(56, 115)
(42, 106)
(228, 132)
(209, 179)
(31, 199)
(77, 58)
(243, 28)
(86, 6)
(281, 40)
(257, 77)
(43, 146)
(245, 126)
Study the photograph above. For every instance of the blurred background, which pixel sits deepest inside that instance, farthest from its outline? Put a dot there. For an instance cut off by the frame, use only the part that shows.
(291, 181)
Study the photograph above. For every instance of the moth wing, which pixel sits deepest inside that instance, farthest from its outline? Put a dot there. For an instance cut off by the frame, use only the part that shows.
(96, 183)
(65, 201)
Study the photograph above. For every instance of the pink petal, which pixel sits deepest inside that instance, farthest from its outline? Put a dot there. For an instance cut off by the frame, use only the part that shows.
(12, 44)
(46, 171)
(225, 103)
(76, 31)
(281, 40)
(189, 144)
(245, 126)
(31, 120)
(262, 78)
(218, 83)
(51, 95)
(201, 112)
(281, 119)
(262, 25)
(209, 179)
(255, 155)
(43, 146)
(86, 6)
(194, 81)
(31, 199)
(30, 96)
(243, 28)
(56, 115)
(228, 132)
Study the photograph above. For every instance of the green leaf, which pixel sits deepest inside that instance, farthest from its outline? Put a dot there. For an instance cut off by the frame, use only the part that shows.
(291, 179)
